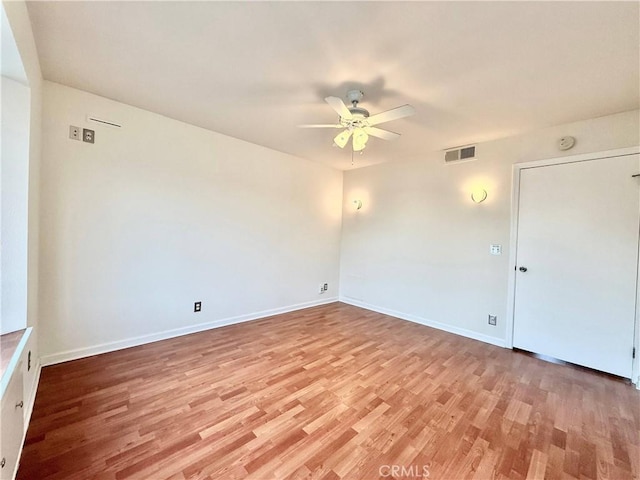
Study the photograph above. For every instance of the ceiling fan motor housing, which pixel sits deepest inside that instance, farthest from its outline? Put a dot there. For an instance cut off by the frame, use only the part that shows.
(359, 111)
(359, 114)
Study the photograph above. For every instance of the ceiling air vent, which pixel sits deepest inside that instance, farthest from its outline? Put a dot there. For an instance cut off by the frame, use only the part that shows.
(459, 154)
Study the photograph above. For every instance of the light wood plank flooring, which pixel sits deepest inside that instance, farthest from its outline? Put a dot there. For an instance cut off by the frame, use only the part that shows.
(331, 392)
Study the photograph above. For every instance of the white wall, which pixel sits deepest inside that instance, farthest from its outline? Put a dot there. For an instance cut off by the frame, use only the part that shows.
(159, 214)
(419, 247)
(14, 174)
(25, 67)
(20, 24)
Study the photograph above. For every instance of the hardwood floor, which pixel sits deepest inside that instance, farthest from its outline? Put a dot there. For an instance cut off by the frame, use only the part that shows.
(331, 392)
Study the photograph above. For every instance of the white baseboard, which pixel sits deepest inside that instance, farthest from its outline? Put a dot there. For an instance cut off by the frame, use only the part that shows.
(176, 332)
(500, 342)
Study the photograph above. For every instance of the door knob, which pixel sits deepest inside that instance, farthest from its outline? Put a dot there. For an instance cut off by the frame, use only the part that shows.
(523, 269)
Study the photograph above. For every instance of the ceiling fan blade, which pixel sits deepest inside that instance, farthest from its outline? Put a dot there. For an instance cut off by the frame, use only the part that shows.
(321, 126)
(380, 133)
(339, 106)
(342, 138)
(393, 114)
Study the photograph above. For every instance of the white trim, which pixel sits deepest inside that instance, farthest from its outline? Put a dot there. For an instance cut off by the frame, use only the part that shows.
(499, 342)
(77, 353)
(513, 239)
(620, 152)
(30, 402)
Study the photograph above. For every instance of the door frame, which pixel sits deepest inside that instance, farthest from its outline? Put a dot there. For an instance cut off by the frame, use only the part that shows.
(513, 242)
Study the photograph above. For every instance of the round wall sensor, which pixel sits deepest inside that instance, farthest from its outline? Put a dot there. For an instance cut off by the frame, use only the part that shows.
(565, 143)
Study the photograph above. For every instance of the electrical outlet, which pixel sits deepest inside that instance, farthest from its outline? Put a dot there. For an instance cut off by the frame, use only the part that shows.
(321, 288)
(197, 307)
(325, 287)
(493, 320)
(74, 133)
(88, 136)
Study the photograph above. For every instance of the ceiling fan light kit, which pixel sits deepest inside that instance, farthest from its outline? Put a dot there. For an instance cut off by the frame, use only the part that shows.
(342, 138)
(358, 124)
(360, 139)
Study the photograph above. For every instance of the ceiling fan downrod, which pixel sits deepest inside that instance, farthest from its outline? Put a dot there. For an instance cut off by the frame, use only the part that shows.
(354, 97)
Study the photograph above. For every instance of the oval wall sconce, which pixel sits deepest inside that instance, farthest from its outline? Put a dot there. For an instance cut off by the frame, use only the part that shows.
(358, 204)
(479, 195)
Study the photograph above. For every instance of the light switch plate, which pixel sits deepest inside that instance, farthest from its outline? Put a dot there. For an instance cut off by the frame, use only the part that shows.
(496, 249)
(74, 132)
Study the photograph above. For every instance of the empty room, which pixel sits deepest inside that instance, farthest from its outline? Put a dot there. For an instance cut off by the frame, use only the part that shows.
(320, 240)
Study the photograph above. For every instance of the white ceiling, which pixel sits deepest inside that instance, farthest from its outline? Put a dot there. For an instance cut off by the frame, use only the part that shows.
(474, 71)
(11, 64)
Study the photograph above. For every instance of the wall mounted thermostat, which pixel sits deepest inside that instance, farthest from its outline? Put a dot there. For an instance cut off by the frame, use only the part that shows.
(565, 143)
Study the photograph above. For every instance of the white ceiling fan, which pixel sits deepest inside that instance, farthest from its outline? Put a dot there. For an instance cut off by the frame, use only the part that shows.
(357, 122)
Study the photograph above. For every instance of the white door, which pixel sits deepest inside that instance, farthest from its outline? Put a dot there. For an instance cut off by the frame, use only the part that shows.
(577, 262)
